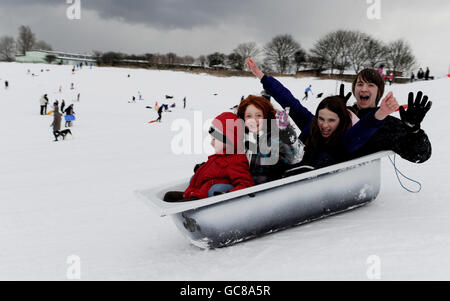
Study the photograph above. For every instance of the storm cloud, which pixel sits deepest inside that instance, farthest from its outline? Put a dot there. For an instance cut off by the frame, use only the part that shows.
(195, 27)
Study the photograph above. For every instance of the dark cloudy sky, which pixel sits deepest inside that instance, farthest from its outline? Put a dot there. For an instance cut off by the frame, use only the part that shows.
(195, 27)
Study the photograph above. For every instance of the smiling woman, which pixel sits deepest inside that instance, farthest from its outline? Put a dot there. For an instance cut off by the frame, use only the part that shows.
(330, 123)
(327, 122)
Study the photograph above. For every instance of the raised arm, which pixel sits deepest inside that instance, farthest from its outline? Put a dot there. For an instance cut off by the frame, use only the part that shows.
(388, 105)
(301, 116)
(363, 130)
(251, 65)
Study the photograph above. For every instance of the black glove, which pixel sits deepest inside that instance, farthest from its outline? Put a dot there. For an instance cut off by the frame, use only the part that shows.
(413, 116)
(197, 166)
(341, 94)
(288, 135)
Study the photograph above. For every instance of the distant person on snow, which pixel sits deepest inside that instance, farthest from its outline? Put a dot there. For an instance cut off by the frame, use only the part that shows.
(184, 102)
(56, 122)
(381, 70)
(227, 166)
(78, 97)
(164, 107)
(427, 74)
(391, 78)
(307, 90)
(160, 113)
(63, 104)
(69, 111)
(420, 74)
(6, 84)
(43, 102)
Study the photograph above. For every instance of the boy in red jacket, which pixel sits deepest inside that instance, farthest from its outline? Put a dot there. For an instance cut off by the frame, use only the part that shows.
(227, 167)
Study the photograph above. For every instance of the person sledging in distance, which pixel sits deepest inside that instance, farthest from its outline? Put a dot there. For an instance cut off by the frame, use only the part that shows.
(404, 136)
(226, 170)
(329, 136)
(307, 90)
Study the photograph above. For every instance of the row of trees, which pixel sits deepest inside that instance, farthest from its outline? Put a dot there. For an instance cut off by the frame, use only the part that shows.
(339, 50)
(117, 58)
(356, 50)
(25, 41)
(336, 51)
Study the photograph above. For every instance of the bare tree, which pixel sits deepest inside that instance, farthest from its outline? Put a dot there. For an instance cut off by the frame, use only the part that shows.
(7, 49)
(215, 59)
(202, 60)
(50, 58)
(163, 59)
(42, 45)
(97, 57)
(111, 58)
(300, 58)
(235, 61)
(266, 66)
(341, 49)
(171, 58)
(280, 52)
(26, 39)
(357, 53)
(332, 51)
(399, 56)
(376, 52)
(325, 53)
(188, 60)
(341, 40)
(246, 50)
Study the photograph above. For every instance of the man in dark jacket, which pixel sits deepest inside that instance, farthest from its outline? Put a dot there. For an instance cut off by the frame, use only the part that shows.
(427, 74)
(403, 136)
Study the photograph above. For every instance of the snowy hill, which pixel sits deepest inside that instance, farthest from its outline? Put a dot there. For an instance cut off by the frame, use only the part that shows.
(75, 197)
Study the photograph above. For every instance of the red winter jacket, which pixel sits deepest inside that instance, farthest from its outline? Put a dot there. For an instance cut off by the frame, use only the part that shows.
(220, 169)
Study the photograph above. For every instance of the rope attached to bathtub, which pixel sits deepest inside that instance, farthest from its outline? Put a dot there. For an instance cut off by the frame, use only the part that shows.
(397, 171)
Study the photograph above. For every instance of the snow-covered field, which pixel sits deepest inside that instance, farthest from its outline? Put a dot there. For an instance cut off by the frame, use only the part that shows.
(76, 197)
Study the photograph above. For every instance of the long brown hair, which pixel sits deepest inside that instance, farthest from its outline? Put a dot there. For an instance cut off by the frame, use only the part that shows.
(336, 105)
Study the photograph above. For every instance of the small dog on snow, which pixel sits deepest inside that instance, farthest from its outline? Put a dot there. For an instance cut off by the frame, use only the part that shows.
(62, 133)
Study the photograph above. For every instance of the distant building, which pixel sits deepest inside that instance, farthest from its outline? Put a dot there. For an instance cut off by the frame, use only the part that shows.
(63, 58)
